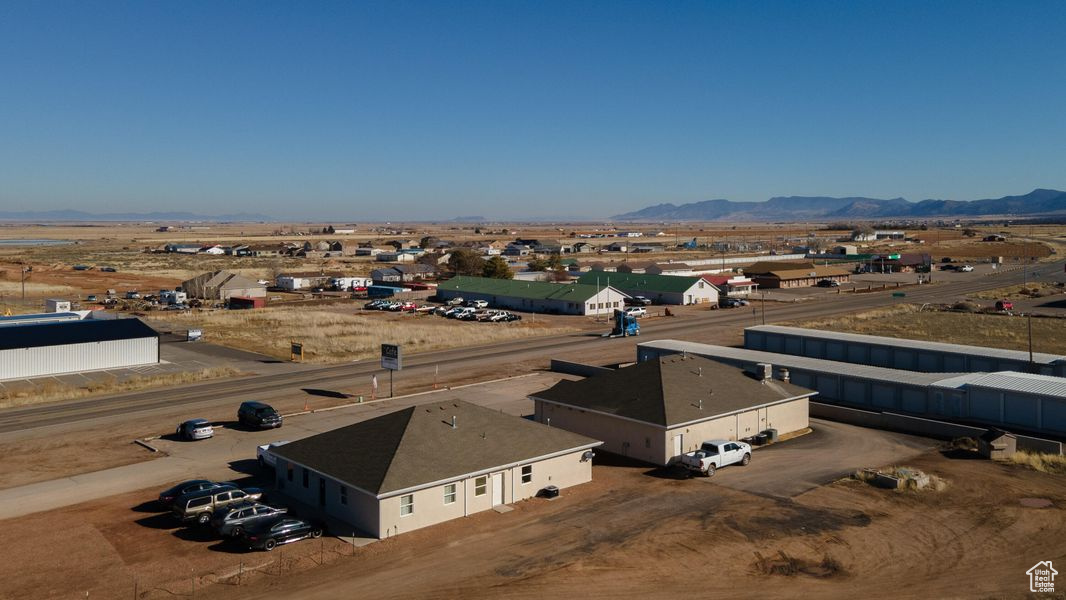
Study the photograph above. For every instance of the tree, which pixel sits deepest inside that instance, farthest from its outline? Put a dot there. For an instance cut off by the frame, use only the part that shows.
(496, 268)
(428, 241)
(464, 261)
(969, 232)
(555, 261)
(477, 230)
(559, 274)
(537, 264)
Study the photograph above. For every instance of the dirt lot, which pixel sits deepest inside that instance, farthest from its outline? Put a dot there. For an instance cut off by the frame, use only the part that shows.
(908, 321)
(633, 531)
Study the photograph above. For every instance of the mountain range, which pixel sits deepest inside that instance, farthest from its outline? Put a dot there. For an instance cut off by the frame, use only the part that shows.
(77, 215)
(799, 208)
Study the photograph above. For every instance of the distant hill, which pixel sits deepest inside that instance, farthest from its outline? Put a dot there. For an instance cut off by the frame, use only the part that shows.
(798, 208)
(77, 215)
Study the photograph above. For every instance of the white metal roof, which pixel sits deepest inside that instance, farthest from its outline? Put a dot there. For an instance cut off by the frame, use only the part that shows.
(1019, 355)
(1012, 381)
(789, 361)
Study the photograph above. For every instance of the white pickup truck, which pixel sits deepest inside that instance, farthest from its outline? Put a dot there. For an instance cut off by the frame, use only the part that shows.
(715, 454)
(264, 455)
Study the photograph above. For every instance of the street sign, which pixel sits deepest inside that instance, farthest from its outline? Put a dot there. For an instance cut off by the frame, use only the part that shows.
(391, 357)
(296, 351)
(898, 294)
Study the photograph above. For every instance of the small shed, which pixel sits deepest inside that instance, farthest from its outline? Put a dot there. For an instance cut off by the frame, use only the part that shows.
(997, 445)
(241, 302)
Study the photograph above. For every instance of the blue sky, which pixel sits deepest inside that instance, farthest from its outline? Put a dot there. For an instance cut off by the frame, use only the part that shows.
(427, 110)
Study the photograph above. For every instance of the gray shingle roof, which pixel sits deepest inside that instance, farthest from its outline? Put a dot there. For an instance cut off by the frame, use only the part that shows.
(417, 446)
(672, 390)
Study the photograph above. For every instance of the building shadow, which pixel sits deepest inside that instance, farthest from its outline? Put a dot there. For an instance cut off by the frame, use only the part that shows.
(159, 521)
(248, 466)
(151, 506)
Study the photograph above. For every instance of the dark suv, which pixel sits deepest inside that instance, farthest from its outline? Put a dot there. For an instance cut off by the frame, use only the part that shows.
(258, 415)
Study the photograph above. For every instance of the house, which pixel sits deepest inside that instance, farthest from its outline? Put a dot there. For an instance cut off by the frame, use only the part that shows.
(1042, 577)
(222, 285)
(266, 251)
(183, 248)
(403, 244)
(845, 250)
(305, 281)
(647, 247)
(602, 266)
(215, 250)
(403, 273)
(535, 296)
(427, 464)
(583, 248)
(732, 285)
(617, 247)
(517, 250)
(661, 289)
(345, 283)
(656, 410)
(368, 251)
(878, 235)
(669, 269)
(785, 274)
(997, 445)
(395, 257)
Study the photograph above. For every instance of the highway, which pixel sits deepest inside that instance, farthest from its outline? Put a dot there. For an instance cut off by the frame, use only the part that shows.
(690, 327)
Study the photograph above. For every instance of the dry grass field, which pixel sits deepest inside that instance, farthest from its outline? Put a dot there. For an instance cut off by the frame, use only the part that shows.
(333, 335)
(49, 390)
(908, 321)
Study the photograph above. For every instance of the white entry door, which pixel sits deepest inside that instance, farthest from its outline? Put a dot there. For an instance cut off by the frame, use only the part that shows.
(497, 489)
(678, 445)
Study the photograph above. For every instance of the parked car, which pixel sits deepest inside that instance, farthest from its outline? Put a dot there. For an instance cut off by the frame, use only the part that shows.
(636, 311)
(478, 304)
(470, 314)
(454, 302)
(966, 269)
(133, 295)
(258, 415)
(715, 454)
(440, 310)
(637, 301)
(946, 259)
(108, 269)
(268, 534)
(828, 283)
(168, 496)
(1004, 305)
(90, 298)
(195, 429)
(408, 306)
(265, 456)
(947, 267)
(730, 302)
(231, 521)
(373, 305)
(200, 506)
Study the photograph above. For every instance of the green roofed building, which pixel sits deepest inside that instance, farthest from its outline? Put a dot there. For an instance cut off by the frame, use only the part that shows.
(660, 289)
(535, 296)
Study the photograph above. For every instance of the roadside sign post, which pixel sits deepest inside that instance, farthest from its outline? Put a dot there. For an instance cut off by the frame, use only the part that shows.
(296, 351)
(391, 359)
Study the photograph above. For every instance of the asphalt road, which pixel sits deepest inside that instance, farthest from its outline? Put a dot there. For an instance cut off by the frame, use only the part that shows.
(691, 327)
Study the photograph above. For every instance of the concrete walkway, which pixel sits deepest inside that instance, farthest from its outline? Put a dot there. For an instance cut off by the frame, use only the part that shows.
(231, 454)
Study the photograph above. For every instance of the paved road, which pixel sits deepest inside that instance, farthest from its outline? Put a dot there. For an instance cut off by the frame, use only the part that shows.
(693, 327)
(231, 453)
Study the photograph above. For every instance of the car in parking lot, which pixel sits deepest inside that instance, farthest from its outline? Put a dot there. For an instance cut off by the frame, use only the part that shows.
(195, 429)
(478, 304)
(635, 311)
(637, 301)
(258, 415)
(231, 521)
(168, 496)
(457, 301)
(732, 302)
(828, 283)
(269, 534)
(966, 269)
(948, 267)
(374, 305)
(198, 507)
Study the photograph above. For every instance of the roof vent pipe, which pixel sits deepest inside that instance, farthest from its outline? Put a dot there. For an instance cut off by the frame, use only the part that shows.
(783, 375)
(453, 421)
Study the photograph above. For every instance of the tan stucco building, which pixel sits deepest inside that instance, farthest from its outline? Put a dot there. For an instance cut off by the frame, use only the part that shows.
(656, 410)
(428, 464)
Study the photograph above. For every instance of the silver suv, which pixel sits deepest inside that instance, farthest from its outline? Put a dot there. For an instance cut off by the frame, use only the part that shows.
(232, 520)
(199, 506)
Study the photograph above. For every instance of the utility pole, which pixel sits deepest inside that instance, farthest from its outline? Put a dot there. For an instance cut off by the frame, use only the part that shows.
(1029, 318)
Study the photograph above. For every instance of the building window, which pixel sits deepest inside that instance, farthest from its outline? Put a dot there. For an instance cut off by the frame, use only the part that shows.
(289, 470)
(307, 477)
(344, 494)
(407, 505)
(481, 485)
(527, 474)
(449, 493)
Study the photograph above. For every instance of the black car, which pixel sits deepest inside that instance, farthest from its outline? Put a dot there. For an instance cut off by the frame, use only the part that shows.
(828, 283)
(637, 301)
(258, 415)
(267, 535)
(167, 497)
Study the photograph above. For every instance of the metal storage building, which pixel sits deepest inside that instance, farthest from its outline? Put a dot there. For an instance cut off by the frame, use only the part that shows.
(535, 296)
(897, 353)
(41, 349)
(1014, 401)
